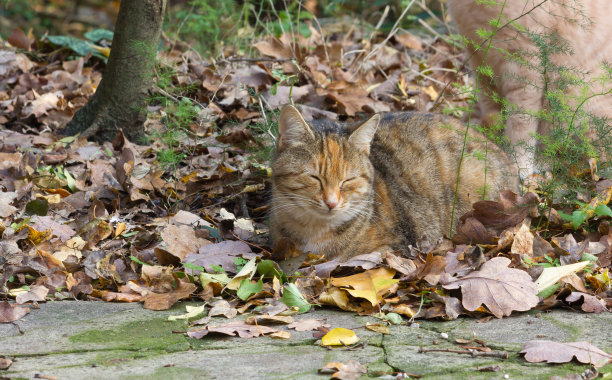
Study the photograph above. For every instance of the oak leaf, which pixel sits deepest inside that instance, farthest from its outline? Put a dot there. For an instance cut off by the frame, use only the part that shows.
(233, 328)
(501, 289)
(554, 352)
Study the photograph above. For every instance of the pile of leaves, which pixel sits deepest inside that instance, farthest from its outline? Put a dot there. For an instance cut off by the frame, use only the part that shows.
(107, 222)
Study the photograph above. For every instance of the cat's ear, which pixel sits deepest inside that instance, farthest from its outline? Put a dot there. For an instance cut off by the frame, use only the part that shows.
(363, 135)
(292, 128)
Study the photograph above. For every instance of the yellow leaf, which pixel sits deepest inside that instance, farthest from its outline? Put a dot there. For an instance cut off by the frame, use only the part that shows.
(189, 177)
(404, 309)
(377, 327)
(192, 311)
(339, 337)
(37, 237)
(433, 94)
(371, 284)
(105, 51)
(281, 335)
(336, 297)
(119, 229)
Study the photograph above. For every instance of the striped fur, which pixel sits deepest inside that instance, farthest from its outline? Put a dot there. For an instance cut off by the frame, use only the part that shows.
(339, 192)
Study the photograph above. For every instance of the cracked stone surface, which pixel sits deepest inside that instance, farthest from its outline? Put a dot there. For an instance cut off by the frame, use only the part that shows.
(96, 340)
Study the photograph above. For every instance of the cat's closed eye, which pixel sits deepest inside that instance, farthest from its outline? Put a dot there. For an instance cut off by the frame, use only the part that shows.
(314, 177)
(347, 181)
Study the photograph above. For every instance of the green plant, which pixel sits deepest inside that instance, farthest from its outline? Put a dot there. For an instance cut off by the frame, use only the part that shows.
(550, 262)
(265, 133)
(585, 212)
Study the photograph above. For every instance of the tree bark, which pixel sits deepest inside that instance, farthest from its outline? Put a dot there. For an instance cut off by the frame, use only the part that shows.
(119, 101)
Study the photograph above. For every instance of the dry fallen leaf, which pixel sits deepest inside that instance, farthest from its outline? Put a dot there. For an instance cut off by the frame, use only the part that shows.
(5, 363)
(551, 275)
(164, 301)
(339, 337)
(224, 308)
(350, 371)
(377, 327)
(10, 313)
(37, 293)
(309, 324)
(268, 319)
(554, 352)
(280, 335)
(233, 328)
(371, 284)
(501, 289)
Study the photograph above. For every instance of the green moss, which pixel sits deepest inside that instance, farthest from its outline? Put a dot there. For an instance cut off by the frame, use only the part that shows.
(573, 329)
(153, 334)
(169, 373)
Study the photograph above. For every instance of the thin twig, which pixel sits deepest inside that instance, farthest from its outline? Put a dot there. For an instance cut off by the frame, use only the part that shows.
(473, 353)
(258, 60)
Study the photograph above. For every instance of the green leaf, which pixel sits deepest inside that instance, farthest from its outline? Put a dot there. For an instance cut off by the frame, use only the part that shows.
(70, 180)
(217, 268)
(37, 207)
(137, 260)
(270, 268)
(220, 278)
(394, 318)
(304, 30)
(602, 210)
(545, 293)
(18, 226)
(78, 46)
(192, 266)
(293, 297)
(248, 288)
(214, 233)
(240, 262)
(577, 218)
(99, 34)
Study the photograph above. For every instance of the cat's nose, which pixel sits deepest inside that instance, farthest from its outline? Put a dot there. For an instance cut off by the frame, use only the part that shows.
(331, 203)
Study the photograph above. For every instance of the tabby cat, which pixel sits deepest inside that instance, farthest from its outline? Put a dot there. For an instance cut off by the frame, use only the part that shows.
(348, 189)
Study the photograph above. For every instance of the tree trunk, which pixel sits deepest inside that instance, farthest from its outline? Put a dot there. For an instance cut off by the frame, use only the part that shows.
(119, 101)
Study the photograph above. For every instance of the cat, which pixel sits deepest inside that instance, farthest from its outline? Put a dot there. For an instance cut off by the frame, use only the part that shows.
(382, 184)
(583, 25)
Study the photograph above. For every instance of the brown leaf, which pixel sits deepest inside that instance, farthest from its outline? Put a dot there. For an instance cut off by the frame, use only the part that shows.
(588, 303)
(44, 223)
(499, 288)
(181, 240)
(309, 324)
(269, 319)
(37, 293)
(223, 308)
(164, 301)
(523, 242)
(6, 198)
(10, 313)
(432, 269)
(472, 231)
(158, 278)
(537, 351)
(233, 328)
(400, 264)
(5, 363)
(409, 40)
(19, 39)
(508, 212)
(350, 371)
(221, 254)
(273, 47)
